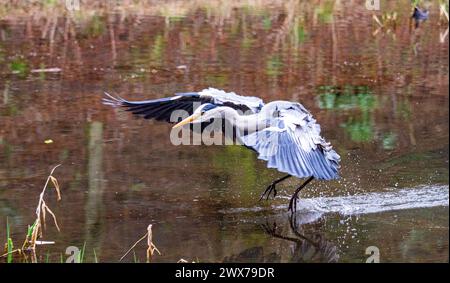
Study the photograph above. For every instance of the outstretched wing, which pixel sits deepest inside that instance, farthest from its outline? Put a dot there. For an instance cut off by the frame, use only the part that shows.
(161, 109)
(293, 145)
(246, 104)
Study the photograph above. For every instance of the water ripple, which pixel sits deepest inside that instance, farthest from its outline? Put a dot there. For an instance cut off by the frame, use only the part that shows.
(418, 197)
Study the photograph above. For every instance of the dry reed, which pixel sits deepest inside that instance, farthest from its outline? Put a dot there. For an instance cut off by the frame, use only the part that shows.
(151, 248)
(35, 231)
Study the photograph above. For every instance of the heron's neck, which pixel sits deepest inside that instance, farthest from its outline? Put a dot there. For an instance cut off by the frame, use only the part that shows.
(245, 123)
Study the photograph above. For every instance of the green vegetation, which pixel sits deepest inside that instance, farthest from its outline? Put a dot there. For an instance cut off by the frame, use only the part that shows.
(379, 99)
(389, 141)
(359, 101)
(9, 243)
(267, 22)
(157, 50)
(360, 128)
(274, 66)
(347, 98)
(80, 258)
(19, 66)
(325, 11)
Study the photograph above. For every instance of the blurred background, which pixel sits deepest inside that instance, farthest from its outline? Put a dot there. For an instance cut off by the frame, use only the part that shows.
(376, 81)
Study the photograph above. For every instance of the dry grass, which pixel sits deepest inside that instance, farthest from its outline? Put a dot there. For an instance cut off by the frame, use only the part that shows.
(151, 248)
(35, 231)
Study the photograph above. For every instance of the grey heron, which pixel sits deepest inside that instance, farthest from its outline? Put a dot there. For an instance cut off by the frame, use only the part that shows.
(282, 133)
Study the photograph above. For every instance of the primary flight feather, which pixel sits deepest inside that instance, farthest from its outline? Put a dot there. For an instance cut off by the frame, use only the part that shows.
(283, 133)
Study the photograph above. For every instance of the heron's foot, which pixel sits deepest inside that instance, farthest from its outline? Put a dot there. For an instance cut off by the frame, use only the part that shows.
(293, 203)
(271, 188)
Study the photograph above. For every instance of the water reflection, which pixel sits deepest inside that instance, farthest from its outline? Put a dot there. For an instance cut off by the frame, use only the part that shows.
(380, 97)
(360, 98)
(292, 244)
(94, 209)
(306, 248)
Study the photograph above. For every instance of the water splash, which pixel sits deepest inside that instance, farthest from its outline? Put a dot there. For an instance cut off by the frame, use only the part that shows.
(419, 197)
(407, 198)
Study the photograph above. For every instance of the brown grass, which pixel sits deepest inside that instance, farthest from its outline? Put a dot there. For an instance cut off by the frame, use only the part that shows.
(35, 231)
(151, 248)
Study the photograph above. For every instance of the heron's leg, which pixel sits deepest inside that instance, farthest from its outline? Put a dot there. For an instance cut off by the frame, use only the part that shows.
(271, 187)
(293, 201)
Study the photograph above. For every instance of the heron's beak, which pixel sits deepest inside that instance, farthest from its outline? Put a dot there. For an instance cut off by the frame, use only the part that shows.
(188, 120)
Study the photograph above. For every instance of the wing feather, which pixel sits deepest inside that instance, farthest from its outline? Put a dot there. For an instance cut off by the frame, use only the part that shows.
(161, 109)
(295, 147)
(158, 109)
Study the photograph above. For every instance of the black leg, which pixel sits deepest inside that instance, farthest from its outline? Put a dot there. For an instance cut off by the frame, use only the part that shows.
(293, 201)
(271, 188)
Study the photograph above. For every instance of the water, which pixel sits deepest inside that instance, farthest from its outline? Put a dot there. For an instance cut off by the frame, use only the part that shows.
(311, 209)
(422, 197)
(380, 95)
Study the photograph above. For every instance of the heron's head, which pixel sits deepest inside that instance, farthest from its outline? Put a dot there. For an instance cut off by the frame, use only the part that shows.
(203, 113)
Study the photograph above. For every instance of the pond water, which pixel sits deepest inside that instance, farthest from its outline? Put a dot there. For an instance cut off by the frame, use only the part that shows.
(380, 95)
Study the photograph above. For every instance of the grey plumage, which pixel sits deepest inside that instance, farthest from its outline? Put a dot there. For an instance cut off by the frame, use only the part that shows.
(283, 133)
(293, 144)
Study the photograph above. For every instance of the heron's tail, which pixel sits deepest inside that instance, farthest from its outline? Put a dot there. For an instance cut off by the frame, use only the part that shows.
(112, 101)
